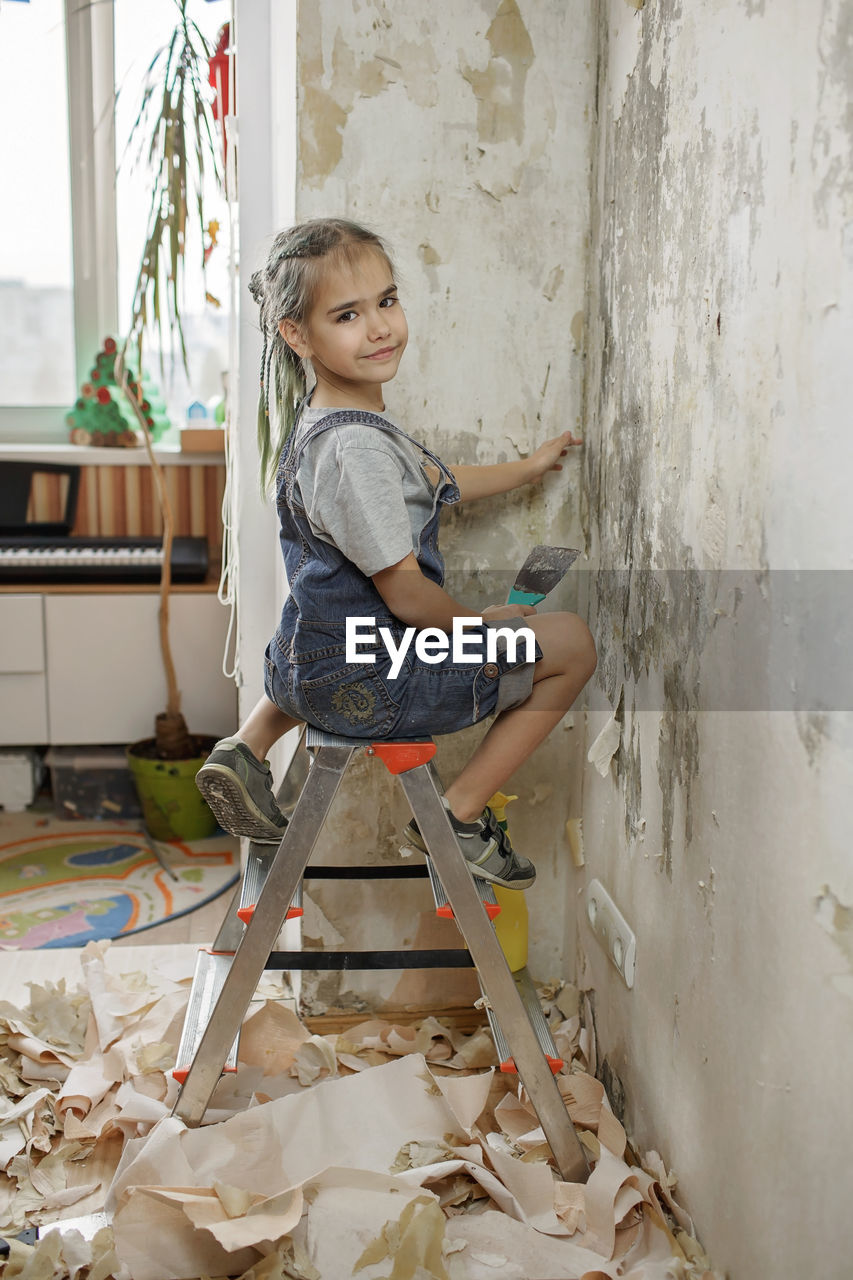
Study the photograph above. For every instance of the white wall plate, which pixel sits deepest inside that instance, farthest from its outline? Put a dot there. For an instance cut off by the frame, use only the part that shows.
(612, 930)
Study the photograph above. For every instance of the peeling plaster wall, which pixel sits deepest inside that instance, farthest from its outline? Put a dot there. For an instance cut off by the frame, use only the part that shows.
(462, 134)
(719, 449)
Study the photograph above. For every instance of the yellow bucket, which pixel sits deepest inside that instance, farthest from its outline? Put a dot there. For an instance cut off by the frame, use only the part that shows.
(511, 923)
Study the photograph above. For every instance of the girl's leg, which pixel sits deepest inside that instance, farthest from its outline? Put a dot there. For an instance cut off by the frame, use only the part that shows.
(567, 664)
(263, 727)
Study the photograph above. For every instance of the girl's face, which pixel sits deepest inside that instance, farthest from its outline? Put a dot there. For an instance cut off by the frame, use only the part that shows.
(355, 333)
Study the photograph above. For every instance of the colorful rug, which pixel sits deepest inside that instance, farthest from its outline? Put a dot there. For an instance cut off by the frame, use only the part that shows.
(63, 884)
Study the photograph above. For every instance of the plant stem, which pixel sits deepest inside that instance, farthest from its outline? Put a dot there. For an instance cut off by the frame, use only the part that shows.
(172, 736)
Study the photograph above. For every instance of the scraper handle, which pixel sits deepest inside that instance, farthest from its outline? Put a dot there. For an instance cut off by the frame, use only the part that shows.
(525, 597)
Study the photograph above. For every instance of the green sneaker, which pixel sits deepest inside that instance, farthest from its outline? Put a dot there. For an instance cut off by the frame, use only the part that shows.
(238, 789)
(486, 848)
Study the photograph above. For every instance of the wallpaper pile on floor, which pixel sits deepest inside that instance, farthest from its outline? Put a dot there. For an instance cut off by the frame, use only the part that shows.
(384, 1150)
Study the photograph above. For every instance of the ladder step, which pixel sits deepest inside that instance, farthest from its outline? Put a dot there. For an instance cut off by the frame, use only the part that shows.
(538, 1021)
(258, 865)
(443, 907)
(211, 970)
(434, 958)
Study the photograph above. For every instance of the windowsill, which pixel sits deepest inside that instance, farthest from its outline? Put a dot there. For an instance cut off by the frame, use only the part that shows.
(89, 455)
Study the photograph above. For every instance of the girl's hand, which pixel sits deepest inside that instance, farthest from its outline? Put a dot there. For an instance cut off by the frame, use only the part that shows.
(495, 612)
(547, 456)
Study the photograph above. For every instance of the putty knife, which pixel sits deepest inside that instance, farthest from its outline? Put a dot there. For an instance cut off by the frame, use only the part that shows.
(540, 573)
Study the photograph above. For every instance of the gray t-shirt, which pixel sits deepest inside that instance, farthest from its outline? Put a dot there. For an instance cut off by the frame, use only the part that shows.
(365, 491)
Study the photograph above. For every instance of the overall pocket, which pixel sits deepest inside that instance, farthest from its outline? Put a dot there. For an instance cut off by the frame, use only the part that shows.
(351, 701)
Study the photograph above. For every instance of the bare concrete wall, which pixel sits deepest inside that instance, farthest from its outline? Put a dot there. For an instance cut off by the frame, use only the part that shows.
(461, 133)
(718, 418)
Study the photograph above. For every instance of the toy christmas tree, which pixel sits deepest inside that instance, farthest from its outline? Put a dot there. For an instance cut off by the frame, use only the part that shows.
(102, 414)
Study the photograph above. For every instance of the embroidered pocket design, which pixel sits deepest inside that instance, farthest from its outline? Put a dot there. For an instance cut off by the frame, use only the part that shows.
(355, 703)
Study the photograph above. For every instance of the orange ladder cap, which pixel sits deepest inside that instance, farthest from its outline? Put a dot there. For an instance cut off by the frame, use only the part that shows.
(400, 757)
(246, 913)
(508, 1065)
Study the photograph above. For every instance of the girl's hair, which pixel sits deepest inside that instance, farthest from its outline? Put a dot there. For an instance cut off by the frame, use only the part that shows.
(284, 289)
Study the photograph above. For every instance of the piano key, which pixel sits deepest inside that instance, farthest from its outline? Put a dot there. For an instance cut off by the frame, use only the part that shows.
(59, 559)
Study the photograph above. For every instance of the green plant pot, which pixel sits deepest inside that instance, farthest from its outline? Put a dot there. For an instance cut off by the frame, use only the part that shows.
(172, 806)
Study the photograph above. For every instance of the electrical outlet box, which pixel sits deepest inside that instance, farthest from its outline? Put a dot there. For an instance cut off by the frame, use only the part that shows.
(612, 930)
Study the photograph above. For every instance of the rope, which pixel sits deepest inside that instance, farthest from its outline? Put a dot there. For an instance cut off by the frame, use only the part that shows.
(229, 574)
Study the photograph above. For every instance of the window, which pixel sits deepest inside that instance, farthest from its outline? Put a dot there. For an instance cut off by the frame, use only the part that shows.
(72, 228)
(139, 31)
(36, 313)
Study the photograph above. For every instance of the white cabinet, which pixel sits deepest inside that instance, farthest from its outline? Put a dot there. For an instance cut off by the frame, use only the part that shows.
(95, 672)
(21, 633)
(23, 688)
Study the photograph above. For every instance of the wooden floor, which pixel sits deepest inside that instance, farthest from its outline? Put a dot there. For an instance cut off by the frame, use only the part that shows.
(199, 927)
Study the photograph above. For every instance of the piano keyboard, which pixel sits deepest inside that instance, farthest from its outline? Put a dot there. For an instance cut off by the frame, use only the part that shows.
(40, 559)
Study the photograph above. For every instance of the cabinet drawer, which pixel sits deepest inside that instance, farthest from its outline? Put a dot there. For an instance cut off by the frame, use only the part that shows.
(23, 710)
(21, 634)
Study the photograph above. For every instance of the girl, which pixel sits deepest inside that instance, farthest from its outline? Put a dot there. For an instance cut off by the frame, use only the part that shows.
(359, 502)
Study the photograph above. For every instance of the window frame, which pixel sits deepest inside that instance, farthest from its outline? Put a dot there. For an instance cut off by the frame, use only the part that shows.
(90, 61)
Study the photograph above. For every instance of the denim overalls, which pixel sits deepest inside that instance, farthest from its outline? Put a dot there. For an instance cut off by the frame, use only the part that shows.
(306, 672)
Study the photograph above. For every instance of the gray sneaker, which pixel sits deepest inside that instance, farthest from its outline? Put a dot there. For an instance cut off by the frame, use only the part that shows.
(486, 848)
(238, 789)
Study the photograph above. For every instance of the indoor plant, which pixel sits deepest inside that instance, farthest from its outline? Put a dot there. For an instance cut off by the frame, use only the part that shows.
(176, 137)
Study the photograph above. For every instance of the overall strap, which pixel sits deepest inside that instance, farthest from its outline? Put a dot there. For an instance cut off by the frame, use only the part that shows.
(346, 417)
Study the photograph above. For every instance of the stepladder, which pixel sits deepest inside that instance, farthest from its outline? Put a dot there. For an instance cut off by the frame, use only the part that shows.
(228, 973)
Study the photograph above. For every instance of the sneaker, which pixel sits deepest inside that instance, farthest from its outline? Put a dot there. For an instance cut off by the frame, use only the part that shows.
(238, 789)
(486, 848)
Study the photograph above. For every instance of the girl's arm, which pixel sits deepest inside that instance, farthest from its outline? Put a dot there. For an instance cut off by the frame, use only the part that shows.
(420, 602)
(500, 477)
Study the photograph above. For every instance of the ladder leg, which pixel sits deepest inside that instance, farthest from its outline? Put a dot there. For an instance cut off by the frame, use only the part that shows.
(496, 979)
(231, 930)
(295, 775)
(258, 940)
